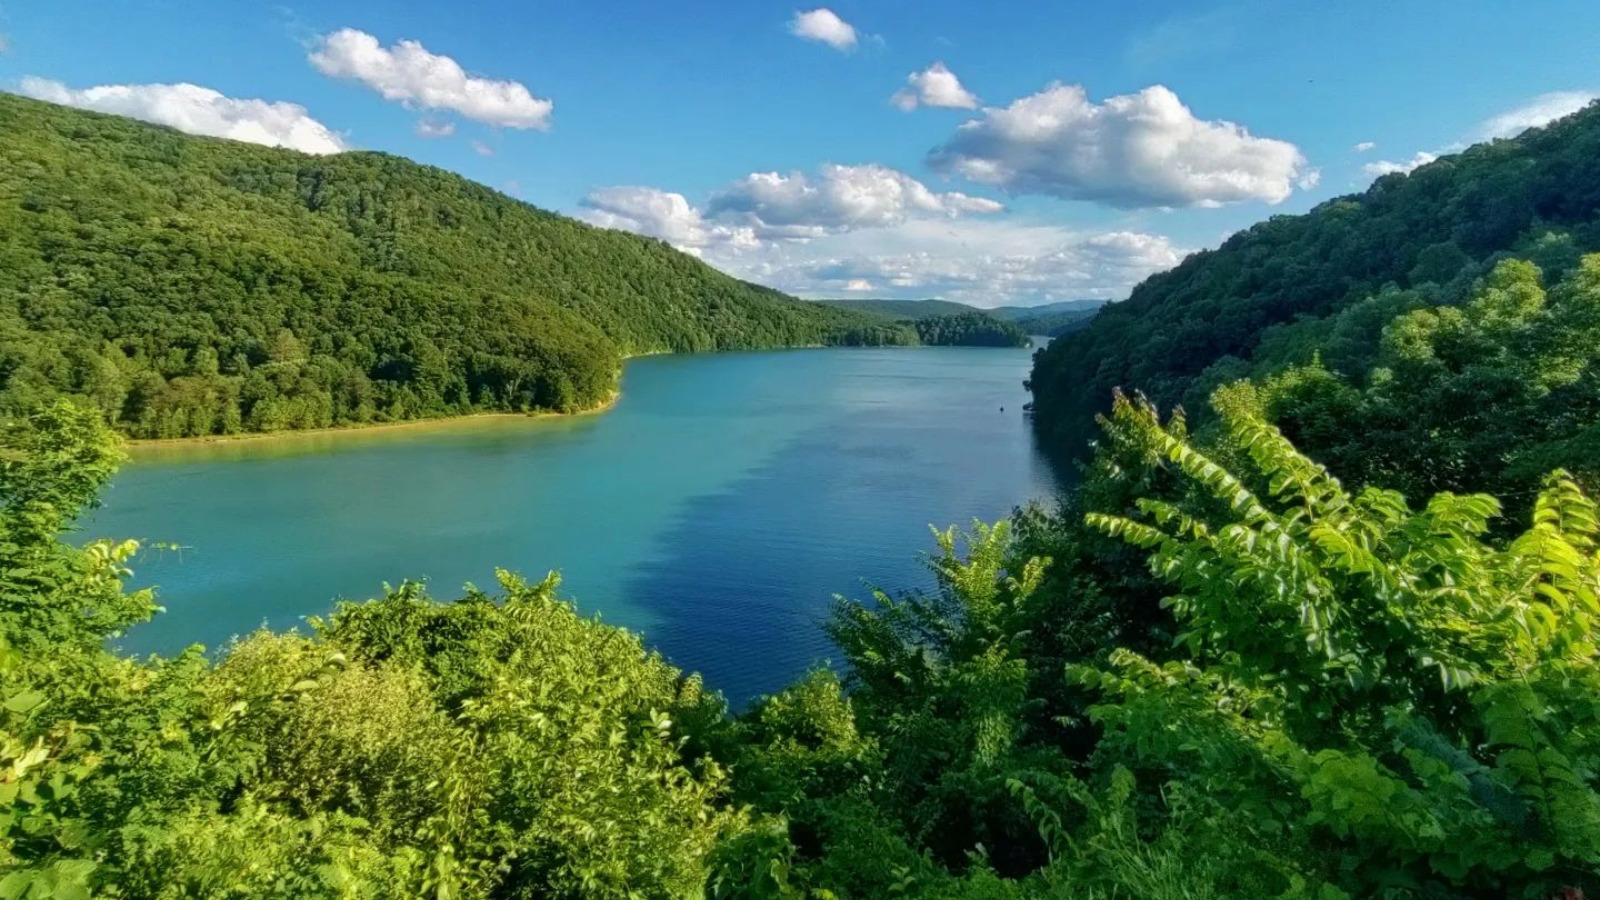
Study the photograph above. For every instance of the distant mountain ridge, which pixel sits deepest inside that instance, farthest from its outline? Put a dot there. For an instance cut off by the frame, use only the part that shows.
(1018, 313)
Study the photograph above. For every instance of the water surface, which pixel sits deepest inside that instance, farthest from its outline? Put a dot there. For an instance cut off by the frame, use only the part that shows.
(717, 508)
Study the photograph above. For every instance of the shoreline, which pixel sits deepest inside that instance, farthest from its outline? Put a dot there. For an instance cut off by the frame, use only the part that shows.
(135, 445)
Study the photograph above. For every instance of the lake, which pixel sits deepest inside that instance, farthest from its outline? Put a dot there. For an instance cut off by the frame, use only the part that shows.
(718, 508)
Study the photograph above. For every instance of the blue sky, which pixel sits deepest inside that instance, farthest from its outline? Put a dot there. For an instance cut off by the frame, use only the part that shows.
(791, 144)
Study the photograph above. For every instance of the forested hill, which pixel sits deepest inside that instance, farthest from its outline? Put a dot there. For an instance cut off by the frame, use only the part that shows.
(1434, 232)
(1057, 308)
(187, 286)
(973, 329)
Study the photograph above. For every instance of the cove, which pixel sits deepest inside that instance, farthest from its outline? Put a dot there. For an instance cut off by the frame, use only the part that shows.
(717, 508)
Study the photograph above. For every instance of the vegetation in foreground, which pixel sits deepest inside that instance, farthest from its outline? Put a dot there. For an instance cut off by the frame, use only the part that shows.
(1341, 696)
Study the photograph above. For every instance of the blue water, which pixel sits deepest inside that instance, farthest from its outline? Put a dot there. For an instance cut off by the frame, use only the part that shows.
(718, 508)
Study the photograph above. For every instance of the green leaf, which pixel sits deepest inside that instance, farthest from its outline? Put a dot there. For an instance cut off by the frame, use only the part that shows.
(25, 702)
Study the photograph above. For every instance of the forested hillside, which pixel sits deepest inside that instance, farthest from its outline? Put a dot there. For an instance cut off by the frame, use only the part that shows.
(1335, 275)
(1052, 319)
(190, 286)
(973, 329)
(1055, 324)
(942, 322)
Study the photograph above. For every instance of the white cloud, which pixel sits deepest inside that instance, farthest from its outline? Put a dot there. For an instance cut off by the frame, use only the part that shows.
(435, 129)
(766, 207)
(840, 198)
(1365, 147)
(980, 262)
(198, 110)
(482, 149)
(661, 214)
(824, 26)
(5, 44)
(873, 230)
(1389, 167)
(1540, 111)
(1135, 150)
(985, 262)
(934, 86)
(408, 73)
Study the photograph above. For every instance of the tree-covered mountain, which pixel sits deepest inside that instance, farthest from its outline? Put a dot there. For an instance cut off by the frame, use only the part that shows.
(189, 286)
(1057, 323)
(947, 323)
(973, 329)
(1330, 278)
(1018, 313)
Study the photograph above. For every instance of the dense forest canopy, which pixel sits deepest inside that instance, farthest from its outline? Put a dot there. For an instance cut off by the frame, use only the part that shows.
(1334, 271)
(972, 329)
(942, 323)
(190, 286)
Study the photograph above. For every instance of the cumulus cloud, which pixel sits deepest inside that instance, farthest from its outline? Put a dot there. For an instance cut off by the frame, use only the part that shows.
(1540, 111)
(409, 74)
(984, 261)
(934, 86)
(661, 214)
(482, 149)
(1389, 167)
(979, 262)
(824, 26)
(198, 110)
(840, 198)
(1365, 147)
(770, 207)
(430, 129)
(1135, 150)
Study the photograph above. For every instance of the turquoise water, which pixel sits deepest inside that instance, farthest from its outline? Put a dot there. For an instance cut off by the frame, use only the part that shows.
(717, 508)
